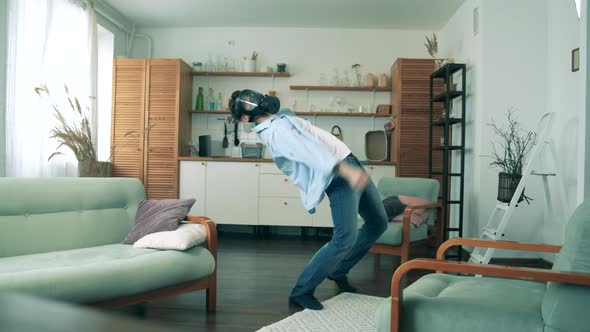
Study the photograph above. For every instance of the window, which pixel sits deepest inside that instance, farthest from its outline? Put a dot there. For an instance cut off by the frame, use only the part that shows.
(106, 42)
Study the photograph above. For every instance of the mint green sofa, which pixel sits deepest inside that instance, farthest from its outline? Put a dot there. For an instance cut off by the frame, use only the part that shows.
(400, 236)
(60, 239)
(543, 300)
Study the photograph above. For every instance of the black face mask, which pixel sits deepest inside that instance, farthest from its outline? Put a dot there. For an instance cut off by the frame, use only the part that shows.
(252, 103)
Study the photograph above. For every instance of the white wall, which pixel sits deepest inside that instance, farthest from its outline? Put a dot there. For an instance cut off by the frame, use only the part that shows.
(522, 61)
(3, 26)
(307, 52)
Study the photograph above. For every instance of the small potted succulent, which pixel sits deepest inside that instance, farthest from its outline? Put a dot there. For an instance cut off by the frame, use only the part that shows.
(509, 151)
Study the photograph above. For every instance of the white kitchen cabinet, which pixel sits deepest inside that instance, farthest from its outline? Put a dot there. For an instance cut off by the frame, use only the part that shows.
(232, 192)
(281, 211)
(277, 185)
(323, 215)
(377, 172)
(192, 185)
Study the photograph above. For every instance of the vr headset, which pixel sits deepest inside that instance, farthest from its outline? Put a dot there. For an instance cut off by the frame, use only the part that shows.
(252, 103)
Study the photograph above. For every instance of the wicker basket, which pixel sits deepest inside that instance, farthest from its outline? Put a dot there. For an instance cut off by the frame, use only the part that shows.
(507, 184)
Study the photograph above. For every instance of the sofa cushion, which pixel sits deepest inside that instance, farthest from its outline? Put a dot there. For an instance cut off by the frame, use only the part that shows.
(442, 302)
(417, 187)
(565, 307)
(103, 272)
(43, 215)
(158, 215)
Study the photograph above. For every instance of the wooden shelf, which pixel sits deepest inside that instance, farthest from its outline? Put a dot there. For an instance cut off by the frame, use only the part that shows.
(240, 74)
(345, 114)
(337, 88)
(209, 112)
(369, 115)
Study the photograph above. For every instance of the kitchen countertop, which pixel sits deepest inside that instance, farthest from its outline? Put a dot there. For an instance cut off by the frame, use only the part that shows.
(260, 160)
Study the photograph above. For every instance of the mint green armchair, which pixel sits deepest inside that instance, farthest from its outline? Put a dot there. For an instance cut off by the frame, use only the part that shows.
(398, 238)
(505, 298)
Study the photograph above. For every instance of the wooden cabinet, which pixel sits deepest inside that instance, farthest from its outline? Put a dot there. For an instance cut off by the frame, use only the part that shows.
(193, 179)
(232, 192)
(151, 122)
(410, 100)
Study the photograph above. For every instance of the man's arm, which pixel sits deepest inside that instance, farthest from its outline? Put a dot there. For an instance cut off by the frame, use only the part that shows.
(357, 178)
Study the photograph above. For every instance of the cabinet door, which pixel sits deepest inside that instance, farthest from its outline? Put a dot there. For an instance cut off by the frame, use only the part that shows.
(377, 172)
(192, 185)
(161, 140)
(232, 192)
(277, 185)
(129, 81)
(280, 211)
(323, 215)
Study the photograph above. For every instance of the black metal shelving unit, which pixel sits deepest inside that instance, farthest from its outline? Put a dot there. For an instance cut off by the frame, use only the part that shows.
(451, 126)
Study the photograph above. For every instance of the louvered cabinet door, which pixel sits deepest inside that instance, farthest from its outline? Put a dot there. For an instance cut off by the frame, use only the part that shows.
(161, 140)
(129, 81)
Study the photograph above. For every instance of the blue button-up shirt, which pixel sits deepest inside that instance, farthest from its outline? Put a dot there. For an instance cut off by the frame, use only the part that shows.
(306, 154)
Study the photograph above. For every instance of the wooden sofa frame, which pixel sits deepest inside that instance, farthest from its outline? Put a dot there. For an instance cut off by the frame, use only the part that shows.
(403, 250)
(440, 265)
(209, 283)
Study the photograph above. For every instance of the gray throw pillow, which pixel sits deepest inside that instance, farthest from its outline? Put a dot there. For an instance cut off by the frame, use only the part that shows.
(158, 216)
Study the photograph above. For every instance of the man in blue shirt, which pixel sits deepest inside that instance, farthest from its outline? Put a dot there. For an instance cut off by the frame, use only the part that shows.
(318, 163)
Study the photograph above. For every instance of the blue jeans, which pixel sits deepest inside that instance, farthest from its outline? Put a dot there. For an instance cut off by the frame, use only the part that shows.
(349, 243)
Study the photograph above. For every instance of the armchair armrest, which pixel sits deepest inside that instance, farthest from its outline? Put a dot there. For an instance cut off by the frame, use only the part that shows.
(484, 270)
(508, 245)
(211, 232)
(439, 231)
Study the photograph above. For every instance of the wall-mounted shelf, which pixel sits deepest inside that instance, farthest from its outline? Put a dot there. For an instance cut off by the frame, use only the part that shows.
(369, 115)
(240, 74)
(261, 160)
(209, 112)
(337, 88)
(357, 114)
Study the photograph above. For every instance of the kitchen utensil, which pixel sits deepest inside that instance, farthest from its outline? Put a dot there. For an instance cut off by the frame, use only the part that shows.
(236, 140)
(337, 134)
(250, 150)
(225, 143)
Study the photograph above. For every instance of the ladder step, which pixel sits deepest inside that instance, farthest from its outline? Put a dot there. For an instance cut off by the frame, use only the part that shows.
(544, 173)
(476, 257)
(491, 232)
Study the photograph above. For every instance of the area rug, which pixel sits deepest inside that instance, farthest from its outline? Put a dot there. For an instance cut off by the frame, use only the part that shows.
(344, 312)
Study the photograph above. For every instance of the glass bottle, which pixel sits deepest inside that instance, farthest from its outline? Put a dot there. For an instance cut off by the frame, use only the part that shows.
(210, 100)
(218, 103)
(200, 103)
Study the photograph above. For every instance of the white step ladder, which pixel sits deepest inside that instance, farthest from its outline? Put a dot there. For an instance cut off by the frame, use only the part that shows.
(543, 151)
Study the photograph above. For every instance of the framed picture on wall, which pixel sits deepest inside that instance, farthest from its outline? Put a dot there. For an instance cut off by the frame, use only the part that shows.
(576, 59)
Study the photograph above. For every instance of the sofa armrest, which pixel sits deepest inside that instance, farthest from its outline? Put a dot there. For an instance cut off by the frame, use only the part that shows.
(508, 245)
(211, 233)
(497, 271)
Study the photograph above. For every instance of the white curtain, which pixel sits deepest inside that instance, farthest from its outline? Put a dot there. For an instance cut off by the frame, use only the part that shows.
(50, 42)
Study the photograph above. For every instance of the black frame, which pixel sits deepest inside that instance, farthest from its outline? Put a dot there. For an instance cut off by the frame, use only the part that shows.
(446, 73)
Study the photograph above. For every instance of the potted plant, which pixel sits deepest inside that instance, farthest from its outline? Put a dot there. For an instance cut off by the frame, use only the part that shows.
(76, 135)
(508, 154)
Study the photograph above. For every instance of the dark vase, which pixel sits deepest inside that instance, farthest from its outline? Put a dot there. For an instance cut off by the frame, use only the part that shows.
(98, 169)
(507, 184)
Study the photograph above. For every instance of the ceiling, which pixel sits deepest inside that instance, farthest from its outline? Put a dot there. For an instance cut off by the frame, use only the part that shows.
(360, 14)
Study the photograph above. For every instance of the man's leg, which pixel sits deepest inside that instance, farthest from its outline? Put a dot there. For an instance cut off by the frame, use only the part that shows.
(373, 213)
(344, 202)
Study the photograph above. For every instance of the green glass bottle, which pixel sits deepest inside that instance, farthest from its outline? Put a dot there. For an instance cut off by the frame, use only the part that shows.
(200, 103)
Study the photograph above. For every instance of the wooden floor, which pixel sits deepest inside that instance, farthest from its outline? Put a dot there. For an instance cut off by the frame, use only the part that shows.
(254, 279)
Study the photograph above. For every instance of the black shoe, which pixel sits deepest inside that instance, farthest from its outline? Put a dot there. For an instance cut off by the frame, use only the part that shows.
(344, 285)
(307, 301)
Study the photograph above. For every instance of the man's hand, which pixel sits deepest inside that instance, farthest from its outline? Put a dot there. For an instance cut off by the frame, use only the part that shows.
(357, 178)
